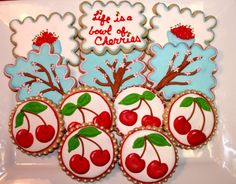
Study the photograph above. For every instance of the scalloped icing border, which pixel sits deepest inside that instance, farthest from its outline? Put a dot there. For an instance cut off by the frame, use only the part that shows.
(73, 37)
(167, 134)
(105, 96)
(167, 111)
(57, 141)
(181, 11)
(119, 48)
(114, 141)
(151, 70)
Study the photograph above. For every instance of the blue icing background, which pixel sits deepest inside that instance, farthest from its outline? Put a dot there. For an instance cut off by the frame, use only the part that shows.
(92, 60)
(202, 81)
(45, 58)
(175, 40)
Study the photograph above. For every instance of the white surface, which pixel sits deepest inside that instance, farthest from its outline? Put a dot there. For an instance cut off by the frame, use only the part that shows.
(215, 163)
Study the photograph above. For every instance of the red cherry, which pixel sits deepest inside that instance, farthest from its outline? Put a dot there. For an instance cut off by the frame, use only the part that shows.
(181, 125)
(128, 117)
(44, 133)
(100, 157)
(79, 164)
(72, 125)
(151, 120)
(156, 169)
(196, 137)
(24, 138)
(134, 163)
(103, 119)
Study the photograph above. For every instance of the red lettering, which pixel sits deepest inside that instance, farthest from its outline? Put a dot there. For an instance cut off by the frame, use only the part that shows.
(99, 16)
(100, 31)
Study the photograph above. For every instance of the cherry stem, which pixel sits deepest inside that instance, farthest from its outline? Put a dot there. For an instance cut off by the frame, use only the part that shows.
(82, 113)
(91, 141)
(203, 116)
(136, 108)
(159, 159)
(191, 115)
(27, 120)
(82, 144)
(145, 146)
(149, 107)
(43, 121)
(89, 110)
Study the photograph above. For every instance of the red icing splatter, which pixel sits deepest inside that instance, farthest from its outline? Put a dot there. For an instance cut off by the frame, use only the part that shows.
(45, 37)
(183, 32)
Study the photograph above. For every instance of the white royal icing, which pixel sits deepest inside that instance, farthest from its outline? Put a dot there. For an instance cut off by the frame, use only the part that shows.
(103, 139)
(156, 105)
(166, 153)
(195, 121)
(113, 29)
(167, 17)
(97, 104)
(26, 31)
(49, 116)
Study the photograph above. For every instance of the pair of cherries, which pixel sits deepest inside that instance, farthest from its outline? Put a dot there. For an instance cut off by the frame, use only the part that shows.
(80, 164)
(136, 164)
(129, 118)
(43, 133)
(183, 127)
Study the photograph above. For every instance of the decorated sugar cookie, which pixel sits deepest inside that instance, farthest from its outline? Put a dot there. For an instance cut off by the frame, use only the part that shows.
(40, 74)
(87, 153)
(36, 126)
(176, 25)
(112, 73)
(175, 69)
(112, 27)
(147, 155)
(87, 104)
(191, 119)
(56, 29)
(137, 106)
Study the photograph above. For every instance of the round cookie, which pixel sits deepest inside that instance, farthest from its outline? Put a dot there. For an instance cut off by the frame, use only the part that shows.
(147, 155)
(87, 104)
(87, 152)
(191, 119)
(137, 106)
(36, 126)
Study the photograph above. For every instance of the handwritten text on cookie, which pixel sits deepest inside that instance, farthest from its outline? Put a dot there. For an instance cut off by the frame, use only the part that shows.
(113, 27)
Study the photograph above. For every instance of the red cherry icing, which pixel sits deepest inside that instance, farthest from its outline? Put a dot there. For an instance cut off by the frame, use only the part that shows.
(183, 32)
(45, 37)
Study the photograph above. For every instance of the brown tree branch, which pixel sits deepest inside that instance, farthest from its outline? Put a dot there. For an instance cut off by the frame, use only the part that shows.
(173, 73)
(127, 78)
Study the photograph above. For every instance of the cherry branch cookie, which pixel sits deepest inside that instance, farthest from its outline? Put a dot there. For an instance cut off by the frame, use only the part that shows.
(137, 106)
(40, 74)
(56, 29)
(112, 27)
(36, 126)
(87, 153)
(87, 104)
(191, 119)
(176, 25)
(147, 155)
(112, 73)
(175, 69)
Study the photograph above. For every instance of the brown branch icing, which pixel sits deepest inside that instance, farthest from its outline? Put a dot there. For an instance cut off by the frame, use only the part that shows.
(118, 75)
(172, 73)
(47, 82)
